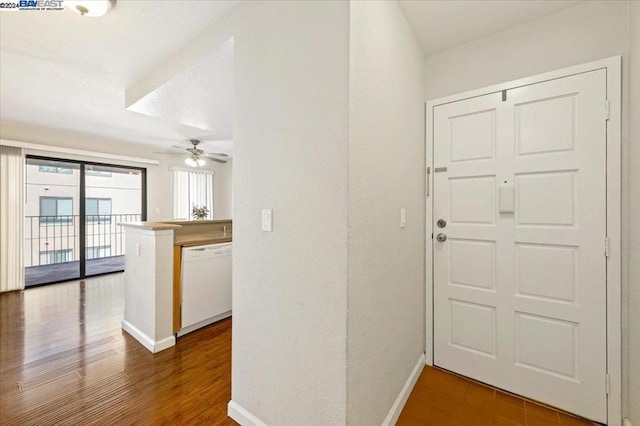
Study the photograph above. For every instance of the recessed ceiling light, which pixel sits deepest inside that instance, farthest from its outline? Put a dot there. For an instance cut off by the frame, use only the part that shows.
(93, 8)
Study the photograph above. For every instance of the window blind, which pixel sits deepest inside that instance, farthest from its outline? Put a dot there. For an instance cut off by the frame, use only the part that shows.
(189, 189)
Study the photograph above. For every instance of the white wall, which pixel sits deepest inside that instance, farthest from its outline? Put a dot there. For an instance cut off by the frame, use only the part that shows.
(290, 155)
(631, 262)
(590, 31)
(386, 173)
(158, 177)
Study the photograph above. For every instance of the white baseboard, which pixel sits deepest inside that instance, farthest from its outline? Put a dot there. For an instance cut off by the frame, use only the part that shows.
(204, 323)
(626, 422)
(146, 341)
(163, 344)
(242, 416)
(398, 405)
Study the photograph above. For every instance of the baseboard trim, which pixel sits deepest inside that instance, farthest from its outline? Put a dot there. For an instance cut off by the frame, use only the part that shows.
(163, 344)
(398, 405)
(146, 341)
(626, 422)
(204, 323)
(242, 416)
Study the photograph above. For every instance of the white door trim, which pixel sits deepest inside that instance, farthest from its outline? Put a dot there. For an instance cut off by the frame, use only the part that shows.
(613, 66)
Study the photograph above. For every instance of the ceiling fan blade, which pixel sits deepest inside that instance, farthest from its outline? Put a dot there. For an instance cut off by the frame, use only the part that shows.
(167, 153)
(179, 147)
(217, 160)
(216, 154)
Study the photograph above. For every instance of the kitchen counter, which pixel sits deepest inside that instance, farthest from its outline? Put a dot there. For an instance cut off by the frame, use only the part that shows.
(153, 261)
(191, 232)
(204, 238)
(154, 226)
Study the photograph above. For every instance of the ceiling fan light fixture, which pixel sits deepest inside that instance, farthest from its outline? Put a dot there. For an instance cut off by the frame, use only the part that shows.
(92, 8)
(201, 162)
(190, 161)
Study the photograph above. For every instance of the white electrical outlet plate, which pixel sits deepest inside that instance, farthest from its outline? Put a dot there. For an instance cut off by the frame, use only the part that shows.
(267, 220)
(403, 218)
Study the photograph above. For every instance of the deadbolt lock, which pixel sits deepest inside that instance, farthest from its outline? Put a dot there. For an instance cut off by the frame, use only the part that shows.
(441, 223)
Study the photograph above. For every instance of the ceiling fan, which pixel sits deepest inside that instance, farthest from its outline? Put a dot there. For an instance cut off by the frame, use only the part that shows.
(197, 157)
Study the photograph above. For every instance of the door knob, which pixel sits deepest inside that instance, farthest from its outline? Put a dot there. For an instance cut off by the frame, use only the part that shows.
(441, 223)
(441, 237)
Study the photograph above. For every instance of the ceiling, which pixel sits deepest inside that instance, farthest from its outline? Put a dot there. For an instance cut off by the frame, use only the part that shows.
(62, 70)
(199, 96)
(441, 25)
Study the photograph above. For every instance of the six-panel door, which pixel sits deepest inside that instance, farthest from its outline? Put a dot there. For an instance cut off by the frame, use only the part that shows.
(520, 282)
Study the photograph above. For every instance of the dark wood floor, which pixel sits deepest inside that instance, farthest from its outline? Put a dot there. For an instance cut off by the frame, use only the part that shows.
(42, 274)
(65, 360)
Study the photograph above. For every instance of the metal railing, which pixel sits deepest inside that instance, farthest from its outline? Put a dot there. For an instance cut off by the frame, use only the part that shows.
(56, 239)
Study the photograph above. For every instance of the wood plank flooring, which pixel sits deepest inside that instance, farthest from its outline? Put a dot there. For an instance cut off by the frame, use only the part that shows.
(65, 360)
(441, 398)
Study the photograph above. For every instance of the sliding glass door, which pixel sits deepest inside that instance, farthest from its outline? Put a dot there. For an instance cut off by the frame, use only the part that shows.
(72, 213)
(52, 226)
(112, 195)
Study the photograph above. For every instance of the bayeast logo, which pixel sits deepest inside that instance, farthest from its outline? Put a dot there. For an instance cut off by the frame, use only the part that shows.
(32, 5)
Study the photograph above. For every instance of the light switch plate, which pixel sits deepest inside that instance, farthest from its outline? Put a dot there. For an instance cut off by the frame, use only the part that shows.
(267, 220)
(403, 218)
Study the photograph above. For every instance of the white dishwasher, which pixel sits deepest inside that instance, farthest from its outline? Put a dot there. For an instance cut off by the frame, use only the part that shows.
(206, 285)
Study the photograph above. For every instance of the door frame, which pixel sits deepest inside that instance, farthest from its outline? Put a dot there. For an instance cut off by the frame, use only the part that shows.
(613, 67)
(82, 272)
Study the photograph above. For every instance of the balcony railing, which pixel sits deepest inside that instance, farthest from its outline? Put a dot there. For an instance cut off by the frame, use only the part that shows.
(56, 239)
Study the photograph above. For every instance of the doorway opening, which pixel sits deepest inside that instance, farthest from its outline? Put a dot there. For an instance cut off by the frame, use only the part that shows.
(72, 211)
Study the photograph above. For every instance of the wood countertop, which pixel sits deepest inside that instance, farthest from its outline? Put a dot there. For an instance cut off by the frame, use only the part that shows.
(204, 238)
(155, 226)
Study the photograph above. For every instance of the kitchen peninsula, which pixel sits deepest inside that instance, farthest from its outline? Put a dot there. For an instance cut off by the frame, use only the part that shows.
(153, 270)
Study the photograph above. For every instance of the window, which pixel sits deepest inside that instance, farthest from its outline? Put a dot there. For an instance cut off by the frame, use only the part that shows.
(98, 210)
(189, 189)
(56, 256)
(98, 252)
(97, 173)
(56, 210)
(52, 169)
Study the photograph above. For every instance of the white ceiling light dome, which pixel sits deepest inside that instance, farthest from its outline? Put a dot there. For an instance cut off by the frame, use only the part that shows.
(190, 161)
(93, 8)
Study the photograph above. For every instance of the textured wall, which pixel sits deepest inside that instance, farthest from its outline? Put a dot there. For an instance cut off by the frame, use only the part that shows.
(591, 31)
(631, 367)
(291, 140)
(386, 173)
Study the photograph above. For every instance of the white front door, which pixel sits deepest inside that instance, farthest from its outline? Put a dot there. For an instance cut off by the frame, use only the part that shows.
(520, 281)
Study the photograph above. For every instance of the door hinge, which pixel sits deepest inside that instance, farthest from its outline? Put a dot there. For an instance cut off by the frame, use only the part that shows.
(607, 384)
(428, 180)
(607, 110)
(607, 246)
